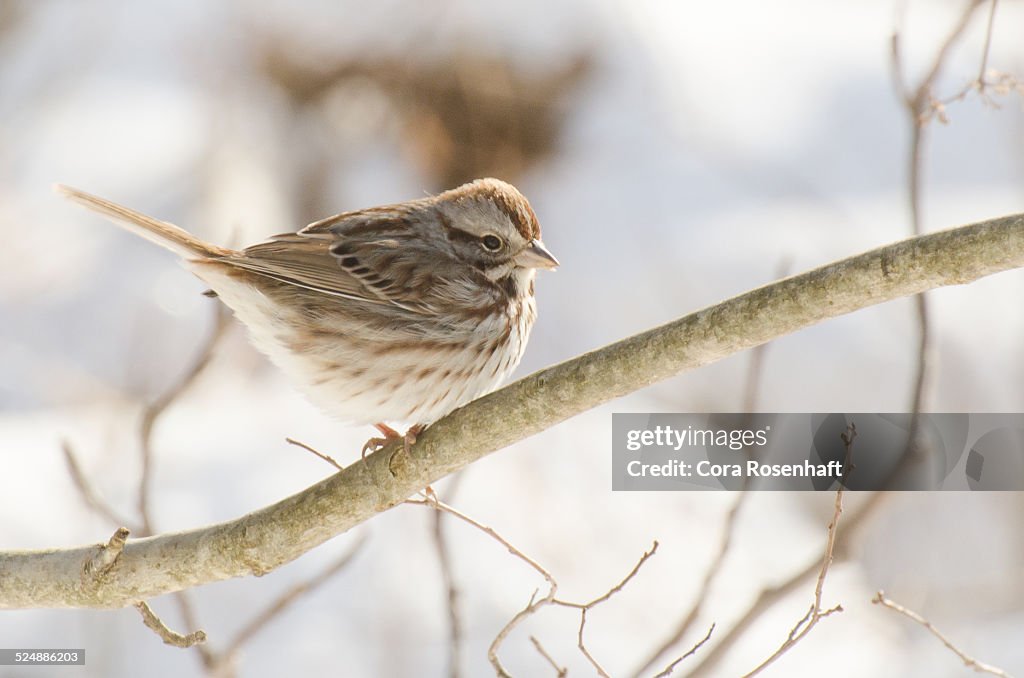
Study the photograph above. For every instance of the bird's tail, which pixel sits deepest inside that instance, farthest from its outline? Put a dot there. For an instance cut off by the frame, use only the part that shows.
(176, 239)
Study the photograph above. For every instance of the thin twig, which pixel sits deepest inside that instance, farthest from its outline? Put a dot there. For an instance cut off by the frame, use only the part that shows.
(1000, 83)
(689, 653)
(535, 603)
(436, 503)
(289, 597)
(209, 658)
(585, 607)
(444, 561)
(987, 49)
(583, 646)
(815, 612)
(492, 652)
(153, 411)
(615, 589)
(87, 491)
(532, 606)
(155, 624)
(919, 99)
(710, 573)
(769, 596)
(968, 661)
(924, 90)
(326, 457)
(560, 671)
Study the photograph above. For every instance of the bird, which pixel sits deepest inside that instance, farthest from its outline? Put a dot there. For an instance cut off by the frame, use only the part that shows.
(398, 313)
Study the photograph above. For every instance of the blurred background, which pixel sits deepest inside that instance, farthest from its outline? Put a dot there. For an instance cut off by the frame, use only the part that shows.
(676, 153)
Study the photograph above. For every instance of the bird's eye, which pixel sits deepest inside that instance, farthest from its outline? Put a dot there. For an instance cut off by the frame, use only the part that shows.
(491, 242)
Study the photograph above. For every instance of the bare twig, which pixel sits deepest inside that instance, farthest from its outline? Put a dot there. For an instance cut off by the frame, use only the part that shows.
(448, 579)
(86, 490)
(769, 596)
(211, 660)
(986, 50)
(153, 411)
(532, 606)
(155, 624)
(585, 607)
(712, 571)
(560, 671)
(289, 597)
(815, 612)
(492, 652)
(583, 646)
(615, 589)
(443, 561)
(968, 661)
(326, 457)
(932, 106)
(434, 502)
(689, 653)
(535, 603)
(919, 100)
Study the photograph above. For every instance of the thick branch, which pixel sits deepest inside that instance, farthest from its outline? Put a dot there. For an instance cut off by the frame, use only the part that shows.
(267, 538)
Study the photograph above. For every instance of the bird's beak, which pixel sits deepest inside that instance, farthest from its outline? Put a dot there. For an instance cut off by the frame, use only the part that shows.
(536, 256)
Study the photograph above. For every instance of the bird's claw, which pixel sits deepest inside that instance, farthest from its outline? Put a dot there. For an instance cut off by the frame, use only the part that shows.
(390, 435)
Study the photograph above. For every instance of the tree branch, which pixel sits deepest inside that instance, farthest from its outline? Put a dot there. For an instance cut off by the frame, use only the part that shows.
(269, 537)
